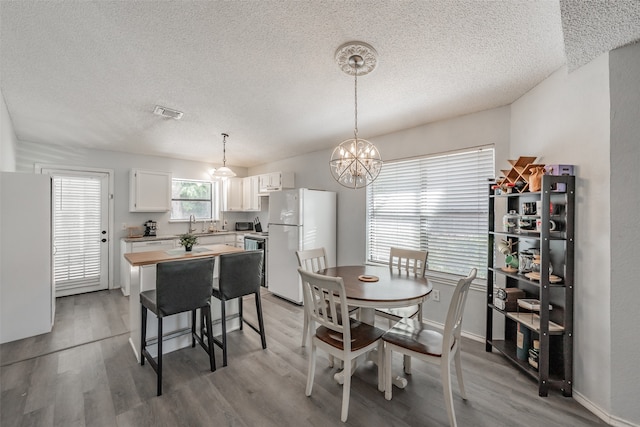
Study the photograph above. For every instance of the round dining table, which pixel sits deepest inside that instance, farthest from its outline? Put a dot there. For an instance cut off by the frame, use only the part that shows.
(370, 287)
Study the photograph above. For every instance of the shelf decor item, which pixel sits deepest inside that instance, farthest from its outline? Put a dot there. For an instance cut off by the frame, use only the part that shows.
(188, 240)
(535, 178)
(517, 178)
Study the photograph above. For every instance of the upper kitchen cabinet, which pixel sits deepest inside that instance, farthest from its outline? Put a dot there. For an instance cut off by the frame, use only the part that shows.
(250, 193)
(275, 181)
(233, 196)
(149, 191)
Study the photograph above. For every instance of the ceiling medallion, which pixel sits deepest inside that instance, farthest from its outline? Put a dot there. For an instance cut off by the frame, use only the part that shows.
(347, 51)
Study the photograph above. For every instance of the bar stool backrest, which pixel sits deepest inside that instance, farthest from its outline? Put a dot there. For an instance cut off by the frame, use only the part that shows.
(183, 285)
(240, 273)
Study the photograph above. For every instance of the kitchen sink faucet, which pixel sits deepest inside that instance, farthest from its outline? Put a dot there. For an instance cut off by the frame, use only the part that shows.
(192, 220)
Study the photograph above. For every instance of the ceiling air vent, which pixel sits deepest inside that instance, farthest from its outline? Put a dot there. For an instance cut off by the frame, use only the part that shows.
(168, 112)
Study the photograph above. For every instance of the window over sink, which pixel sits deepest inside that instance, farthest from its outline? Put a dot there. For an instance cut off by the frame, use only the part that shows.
(192, 197)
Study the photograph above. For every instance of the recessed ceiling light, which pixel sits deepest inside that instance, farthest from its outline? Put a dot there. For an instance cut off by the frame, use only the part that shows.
(168, 112)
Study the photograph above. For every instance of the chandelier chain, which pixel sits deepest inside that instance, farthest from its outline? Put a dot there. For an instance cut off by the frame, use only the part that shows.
(355, 128)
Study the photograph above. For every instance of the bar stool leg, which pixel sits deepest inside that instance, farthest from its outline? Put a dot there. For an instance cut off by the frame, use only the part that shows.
(224, 332)
(143, 334)
(240, 312)
(260, 320)
(193, 328)
(159, 356)
(210, 345)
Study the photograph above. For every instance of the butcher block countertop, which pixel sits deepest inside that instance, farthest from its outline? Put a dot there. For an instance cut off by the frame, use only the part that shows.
(137, 259)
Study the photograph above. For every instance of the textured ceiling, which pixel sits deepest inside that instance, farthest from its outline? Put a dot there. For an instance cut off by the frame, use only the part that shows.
(89, 73)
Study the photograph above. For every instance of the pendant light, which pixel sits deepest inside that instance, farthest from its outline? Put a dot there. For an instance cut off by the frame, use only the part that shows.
(224, 171)
(356, 162)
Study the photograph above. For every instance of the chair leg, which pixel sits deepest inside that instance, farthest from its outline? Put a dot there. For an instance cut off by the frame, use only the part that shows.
(346, 390)
(407, 364)
(143, 334)
(263, 336)
(381, 365)
(224, 332)
(388, 387)
(446, 388)
(210, 345)
(458, 363)
(305, 328)
(159, 356)
(311, 371)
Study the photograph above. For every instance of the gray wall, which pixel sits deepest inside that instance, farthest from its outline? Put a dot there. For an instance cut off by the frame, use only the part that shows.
(625, 233)
(7, 139)
(565, 120)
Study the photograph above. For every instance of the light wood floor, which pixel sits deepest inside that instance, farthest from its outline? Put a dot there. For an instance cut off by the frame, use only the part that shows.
(84, 374)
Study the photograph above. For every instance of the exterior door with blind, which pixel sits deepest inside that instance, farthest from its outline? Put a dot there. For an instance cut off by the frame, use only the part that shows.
(80, 211)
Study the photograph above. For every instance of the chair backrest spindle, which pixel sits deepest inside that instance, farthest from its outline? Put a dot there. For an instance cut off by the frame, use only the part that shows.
(408, 261)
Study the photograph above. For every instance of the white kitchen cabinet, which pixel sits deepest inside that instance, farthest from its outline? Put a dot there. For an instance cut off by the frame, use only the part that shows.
(275, 181)
(250, 193)
(240, 240)
(218, 239)
(233, 194)
(140, 246)
(149, 191)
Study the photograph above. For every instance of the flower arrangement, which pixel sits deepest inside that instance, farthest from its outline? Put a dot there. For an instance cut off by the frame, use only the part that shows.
(188, 240)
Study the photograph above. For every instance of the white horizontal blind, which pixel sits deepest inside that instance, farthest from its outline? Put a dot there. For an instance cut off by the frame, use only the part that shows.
(77, 225)
(437, 203)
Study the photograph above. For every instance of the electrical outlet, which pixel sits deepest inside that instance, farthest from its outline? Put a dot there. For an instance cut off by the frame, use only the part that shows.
(436, 295)
(124, 225)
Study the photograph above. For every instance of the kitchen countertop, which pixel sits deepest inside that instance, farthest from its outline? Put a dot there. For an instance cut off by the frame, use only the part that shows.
(176, 236)
(137, 259)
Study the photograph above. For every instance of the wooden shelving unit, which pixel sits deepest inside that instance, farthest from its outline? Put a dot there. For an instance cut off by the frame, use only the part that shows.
(552, 325)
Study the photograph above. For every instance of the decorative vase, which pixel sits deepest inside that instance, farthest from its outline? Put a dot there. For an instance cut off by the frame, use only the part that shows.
(188, 248)
(535, 179)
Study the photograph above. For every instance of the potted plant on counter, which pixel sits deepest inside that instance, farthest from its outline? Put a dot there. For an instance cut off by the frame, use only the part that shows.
(188, 240)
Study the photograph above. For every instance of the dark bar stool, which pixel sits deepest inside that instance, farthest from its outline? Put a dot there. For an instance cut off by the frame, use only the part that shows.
(181, 286)
(240, 275)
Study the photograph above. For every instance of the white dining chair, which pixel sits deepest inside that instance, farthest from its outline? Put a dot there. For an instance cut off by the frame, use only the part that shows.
(405, 261)
(313, 260)
(337, 333)
(411, 337)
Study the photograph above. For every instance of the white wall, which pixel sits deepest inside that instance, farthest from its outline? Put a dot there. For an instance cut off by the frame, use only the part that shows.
(624, 72)
(7, 139)
(29, 153)
(565, 120)
(312, 170)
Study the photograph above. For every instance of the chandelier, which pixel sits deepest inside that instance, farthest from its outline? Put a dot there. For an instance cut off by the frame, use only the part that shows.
(224, 171)
(356, 162)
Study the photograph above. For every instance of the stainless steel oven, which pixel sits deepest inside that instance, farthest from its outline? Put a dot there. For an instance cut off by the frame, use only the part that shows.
(252, 243)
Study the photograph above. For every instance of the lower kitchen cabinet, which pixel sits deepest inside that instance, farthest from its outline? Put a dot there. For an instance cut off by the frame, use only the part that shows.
(128, 246)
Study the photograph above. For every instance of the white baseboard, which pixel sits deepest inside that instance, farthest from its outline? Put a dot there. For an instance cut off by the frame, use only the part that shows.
(465, 334)
(601, 413)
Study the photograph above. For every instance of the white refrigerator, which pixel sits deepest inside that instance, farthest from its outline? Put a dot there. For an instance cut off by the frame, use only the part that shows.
(299, 219)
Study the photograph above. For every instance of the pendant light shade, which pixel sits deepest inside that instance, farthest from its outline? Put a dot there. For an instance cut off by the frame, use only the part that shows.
(224, 171)
(356, 162)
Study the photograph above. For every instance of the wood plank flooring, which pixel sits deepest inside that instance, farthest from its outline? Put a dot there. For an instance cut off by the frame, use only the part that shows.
(84, 374)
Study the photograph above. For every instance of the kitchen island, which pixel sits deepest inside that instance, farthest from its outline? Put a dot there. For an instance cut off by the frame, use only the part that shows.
(176, 327)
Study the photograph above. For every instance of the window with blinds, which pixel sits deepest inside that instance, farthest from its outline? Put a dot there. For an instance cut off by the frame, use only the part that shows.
(77, 225)
(198, 198)
(436, 203)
